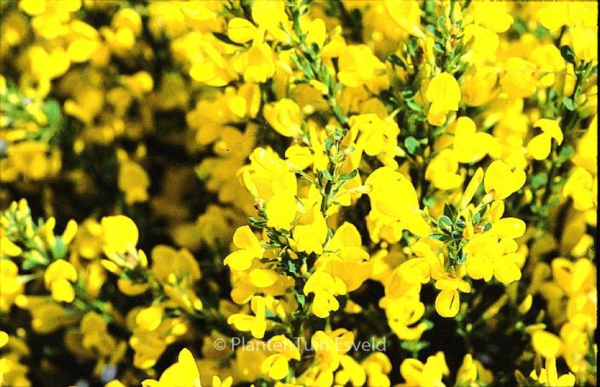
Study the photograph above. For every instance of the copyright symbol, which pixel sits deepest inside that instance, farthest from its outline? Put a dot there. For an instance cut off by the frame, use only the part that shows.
(220, 344)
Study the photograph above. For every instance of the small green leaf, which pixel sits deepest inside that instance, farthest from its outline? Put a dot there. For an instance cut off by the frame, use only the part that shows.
(413, 105)
(59, 250)
(395, 60)
(567, 54)
(438, 47)
(476, 218)
(445, 223)
(461, 256)
(568, 102)
(348, 176)
(566, 152)
(301, 298)
(225, 39)
(52, 111)
(449, 211)
(408, 93)
(411, 144)
(539, 180)
(429, 201)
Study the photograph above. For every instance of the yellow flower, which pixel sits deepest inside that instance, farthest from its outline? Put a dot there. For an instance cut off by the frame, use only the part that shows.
(58, 278)
(519, 79)
(394, 203)
(415, 373)
(184, 373)
(403, 313)
(281, 210)
(256, 324)
(11, 287)
(377, 137)
(553, 15)
(358, 66)
(442, 170)
(249, 246)
(585, 42)
(257, 64)
(539, 147)
(285, 117)
(212, 68)
(166, 261)
(240, 30)
(470, 146)
(55, 63)
(546, 344)
(488, 256)
(268, 13)
(33, 7)
(582, 187)
(503, 180)
(277, 365)
(311, 232)
(120, 234)
(149, 319)
(377, 367)
(479, 85)
(47, 315)
(472, 373)
(7, 247)
(325, 287)
(501, 20)
(133, 182)
(128, 18)
(447, 302)
(472, 188)
(444, 94)
(350, 261)
(31, 159)
(549, 376)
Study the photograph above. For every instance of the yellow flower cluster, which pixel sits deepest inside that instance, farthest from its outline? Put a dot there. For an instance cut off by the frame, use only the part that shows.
(298, 193)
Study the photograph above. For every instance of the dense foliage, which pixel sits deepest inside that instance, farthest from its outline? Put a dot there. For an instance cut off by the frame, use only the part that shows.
(288, 192)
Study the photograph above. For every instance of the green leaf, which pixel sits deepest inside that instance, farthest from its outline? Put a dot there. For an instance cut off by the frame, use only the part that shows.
(445, 223)
(461, 256)
(225, 39)
(413, 105)
(566, 152)
(411, 144)
(411, 46)
(429, 201)
(52, 111)
(292, 267)
(59, 250)
(539, 180)
(438, 47)
(414, 346)
(301, 298)
(476, 218)
(348, 176)
(440, 237)
(568, 102)
(567, 53)
(327, 175)
(395, 60)
(449, 211)
(408, 93)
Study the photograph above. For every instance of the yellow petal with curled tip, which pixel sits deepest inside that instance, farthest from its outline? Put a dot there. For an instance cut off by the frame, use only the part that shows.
(447, 303)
